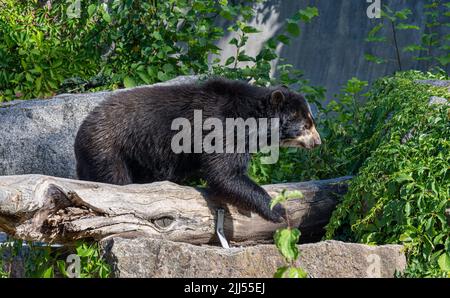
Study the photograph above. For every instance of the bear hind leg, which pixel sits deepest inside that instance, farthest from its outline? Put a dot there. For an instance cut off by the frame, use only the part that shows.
(107, 170)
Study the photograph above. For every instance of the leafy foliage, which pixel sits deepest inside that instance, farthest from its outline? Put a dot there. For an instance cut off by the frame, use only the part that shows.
(45, 261)
(286, 241)
(339, 123)
(48, 49)
(402, 190)
(40, 47)
(433, 47)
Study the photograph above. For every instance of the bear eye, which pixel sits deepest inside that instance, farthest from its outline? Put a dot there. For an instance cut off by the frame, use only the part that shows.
(306, 126)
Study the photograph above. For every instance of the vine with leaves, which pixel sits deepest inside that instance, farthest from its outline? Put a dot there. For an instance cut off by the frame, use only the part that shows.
(434, 45)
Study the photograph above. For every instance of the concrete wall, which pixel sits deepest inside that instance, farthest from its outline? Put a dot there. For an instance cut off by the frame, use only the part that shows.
(331, 49)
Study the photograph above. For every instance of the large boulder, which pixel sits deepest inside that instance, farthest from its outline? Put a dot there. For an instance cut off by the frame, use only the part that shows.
(147, 257)
(37, 136)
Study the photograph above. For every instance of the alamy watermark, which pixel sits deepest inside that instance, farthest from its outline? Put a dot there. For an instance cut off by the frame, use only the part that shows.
(238, 136)
(74, 266)
(74, 8)
(374, 268)
(374, 9)
(73, 11)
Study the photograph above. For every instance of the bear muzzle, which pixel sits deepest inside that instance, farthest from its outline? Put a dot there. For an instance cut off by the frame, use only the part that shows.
(308, 139)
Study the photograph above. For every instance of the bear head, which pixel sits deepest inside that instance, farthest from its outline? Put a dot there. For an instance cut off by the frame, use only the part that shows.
(297, 126)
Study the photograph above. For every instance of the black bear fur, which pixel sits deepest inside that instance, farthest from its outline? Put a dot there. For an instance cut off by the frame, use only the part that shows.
(127, 138)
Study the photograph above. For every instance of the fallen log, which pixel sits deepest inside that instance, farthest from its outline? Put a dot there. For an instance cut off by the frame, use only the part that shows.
(58, 210)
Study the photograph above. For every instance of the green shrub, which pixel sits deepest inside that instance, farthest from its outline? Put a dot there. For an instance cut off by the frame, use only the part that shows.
(44, 261)
(402, 190)
(339, 123)
(434, 45)
(40, 47)
(76, 46)
(286, 240)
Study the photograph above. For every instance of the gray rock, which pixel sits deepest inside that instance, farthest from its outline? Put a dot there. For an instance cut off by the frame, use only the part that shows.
(409, 135)
(436, 83)
(146, 257)
(38, 135)
(435, 100)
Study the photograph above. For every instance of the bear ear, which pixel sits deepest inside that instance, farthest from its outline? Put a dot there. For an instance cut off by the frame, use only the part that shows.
(277, 98)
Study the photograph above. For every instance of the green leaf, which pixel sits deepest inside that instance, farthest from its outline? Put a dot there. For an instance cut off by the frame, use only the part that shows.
(38, 83)
(226, 14)
(229, 61)
(152, 71)
(405, 238)
(129, 82)
(295, 194)
(280, 272)
(250, 29)
(293, 28)
(373, 58)
(278, 199)
(401, 178)
(296, 272)
(162, 76)
(243, 58)
(375, 29)
(290, 272)
(403, 26)
(413, 48)
(156, 35)
(168, 68)
(233, 41)
(91, 9)
(403, 14)
(144, 77)
(407, 209)
(271, 44)
(444, 262)
(29, 77)
(106, 17)
(444, 60)
(307, 14)
(199, 6)
(286, 242)
(284, 196)
(284, 39)
(52, 84)
(48, 273)
(61, 267)
(83, 251)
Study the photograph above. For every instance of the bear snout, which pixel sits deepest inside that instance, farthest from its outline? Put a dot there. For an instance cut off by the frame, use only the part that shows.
(316, 141)
(309, 139)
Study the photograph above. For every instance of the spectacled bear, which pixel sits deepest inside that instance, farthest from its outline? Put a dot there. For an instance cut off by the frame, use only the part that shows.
(127, 138)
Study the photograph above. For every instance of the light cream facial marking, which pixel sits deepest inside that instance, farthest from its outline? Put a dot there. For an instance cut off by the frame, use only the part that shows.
(310, 139)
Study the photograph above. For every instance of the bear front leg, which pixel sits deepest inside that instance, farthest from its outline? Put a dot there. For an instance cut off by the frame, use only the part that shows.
(227, 179)
(242, 191)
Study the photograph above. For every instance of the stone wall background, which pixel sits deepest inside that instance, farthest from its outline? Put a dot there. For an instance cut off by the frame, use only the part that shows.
(331, 49)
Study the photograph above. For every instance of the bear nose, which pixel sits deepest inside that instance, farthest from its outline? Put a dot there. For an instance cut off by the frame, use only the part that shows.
(316, 137)
(317, 141)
